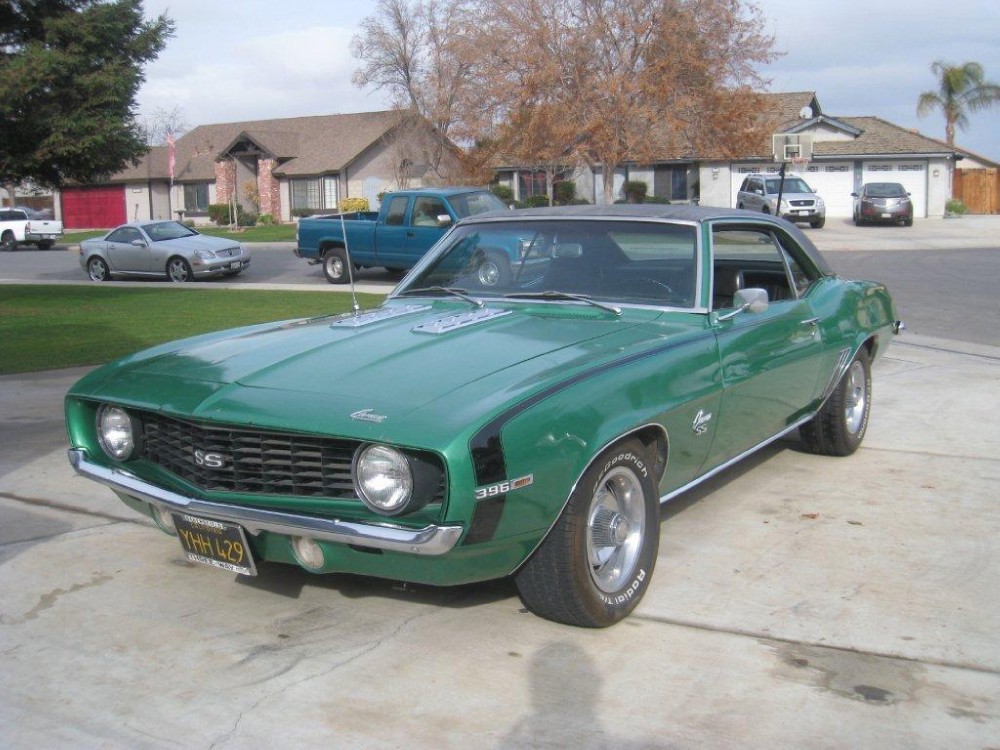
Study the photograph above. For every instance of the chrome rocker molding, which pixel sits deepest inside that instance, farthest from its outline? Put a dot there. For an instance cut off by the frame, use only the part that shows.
(430, 540)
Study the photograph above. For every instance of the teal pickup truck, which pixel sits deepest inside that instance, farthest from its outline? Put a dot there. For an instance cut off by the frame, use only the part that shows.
(397, 236)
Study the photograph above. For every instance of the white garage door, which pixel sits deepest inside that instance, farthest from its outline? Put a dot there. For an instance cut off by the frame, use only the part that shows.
(834, 183)
(911, 175)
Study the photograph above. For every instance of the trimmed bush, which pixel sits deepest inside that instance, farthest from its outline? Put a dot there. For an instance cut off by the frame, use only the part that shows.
(350, 205)
(955, 207)
(536, 201)
(503, 192)
(635, 191)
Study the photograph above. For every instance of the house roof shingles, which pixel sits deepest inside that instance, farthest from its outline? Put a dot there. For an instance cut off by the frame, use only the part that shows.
(314, 145)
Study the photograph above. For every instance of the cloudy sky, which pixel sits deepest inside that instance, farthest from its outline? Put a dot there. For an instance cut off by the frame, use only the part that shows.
(260, 59)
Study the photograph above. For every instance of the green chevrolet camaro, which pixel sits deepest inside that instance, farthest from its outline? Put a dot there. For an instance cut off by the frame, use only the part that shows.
(527, 421)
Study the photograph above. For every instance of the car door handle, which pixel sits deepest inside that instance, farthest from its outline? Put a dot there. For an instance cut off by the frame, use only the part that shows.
(409, 234)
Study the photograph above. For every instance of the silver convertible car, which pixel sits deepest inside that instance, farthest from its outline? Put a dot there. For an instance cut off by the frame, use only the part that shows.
(161, 248)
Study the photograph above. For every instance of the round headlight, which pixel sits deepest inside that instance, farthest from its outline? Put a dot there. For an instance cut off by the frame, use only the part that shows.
(117, 432)
(383, 478)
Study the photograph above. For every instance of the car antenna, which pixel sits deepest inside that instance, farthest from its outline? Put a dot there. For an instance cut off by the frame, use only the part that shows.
(350, 267)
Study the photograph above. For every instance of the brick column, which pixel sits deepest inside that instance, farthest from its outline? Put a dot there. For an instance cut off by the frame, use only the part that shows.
(223, 181)
(268, 189)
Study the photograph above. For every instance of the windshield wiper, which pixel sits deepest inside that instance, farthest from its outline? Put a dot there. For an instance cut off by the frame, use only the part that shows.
(453, 291)
(565, 295)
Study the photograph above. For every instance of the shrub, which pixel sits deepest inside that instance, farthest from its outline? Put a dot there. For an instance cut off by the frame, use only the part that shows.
(350, 205)
(266, 220)
(955, 207)
(565, 193)
(536, 201)
(635, 191)
(304, 211)
(503, 192)
(219, 213)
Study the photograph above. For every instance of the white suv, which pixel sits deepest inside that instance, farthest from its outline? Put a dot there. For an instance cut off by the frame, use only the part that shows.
(759, 192)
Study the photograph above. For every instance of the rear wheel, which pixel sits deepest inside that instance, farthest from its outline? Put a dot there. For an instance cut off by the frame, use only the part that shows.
(97, 269)
(597, 560)
(839, 427)
(7, 241)
(335, 266)
(45, 244)
(179, 270)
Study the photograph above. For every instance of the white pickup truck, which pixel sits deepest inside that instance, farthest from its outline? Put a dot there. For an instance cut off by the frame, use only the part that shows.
(17, 226)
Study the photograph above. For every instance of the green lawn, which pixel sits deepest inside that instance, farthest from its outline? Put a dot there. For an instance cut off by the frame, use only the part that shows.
(50, 327)
(277, 233)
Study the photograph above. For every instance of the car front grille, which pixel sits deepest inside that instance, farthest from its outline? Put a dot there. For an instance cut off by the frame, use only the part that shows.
(229, 458)
(803, 203)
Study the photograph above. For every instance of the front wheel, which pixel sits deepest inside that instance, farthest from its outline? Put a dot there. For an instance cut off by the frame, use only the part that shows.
(818, 223)
(335, 266)
(597, 560)
(494, 270)
(839, 427)
(97, 269)
(179, 270)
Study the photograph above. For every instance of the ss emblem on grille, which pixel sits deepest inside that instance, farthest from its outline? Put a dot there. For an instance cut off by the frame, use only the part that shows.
(209, 459)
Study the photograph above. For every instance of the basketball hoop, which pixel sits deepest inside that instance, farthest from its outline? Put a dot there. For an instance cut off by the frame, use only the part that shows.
(799, 163)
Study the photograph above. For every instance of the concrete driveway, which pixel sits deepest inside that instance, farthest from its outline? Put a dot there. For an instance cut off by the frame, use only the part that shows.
(798, 602)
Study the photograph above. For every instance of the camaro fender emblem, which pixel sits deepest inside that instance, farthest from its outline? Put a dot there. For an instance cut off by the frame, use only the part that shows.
(700, 423)
(502, 488)
(369, 415)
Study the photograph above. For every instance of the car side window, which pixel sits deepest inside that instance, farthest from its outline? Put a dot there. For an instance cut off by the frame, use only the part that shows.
(396, 215)
(426, 210)
(748, 258)
(124, 235)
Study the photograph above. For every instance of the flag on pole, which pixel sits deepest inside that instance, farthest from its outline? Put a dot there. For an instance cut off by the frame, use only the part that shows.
(171, 154)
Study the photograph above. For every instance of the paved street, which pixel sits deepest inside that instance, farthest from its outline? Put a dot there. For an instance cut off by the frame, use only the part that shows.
(798, 602)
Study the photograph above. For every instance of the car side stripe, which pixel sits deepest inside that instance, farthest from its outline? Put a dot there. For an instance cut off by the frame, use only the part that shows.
(486, 445)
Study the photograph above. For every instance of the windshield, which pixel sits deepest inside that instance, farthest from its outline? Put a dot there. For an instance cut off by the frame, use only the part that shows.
(792, 185)
(167, 230)
(613, 261)
(470, 204)
(885, 190)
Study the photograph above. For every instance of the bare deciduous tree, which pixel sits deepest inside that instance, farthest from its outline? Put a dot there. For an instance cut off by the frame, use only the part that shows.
(549, 81)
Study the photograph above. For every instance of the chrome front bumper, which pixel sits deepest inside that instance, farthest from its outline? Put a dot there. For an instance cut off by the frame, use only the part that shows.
(430, 540)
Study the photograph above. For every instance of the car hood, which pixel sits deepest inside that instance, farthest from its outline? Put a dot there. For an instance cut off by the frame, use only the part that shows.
(325, 375)
(197, 242)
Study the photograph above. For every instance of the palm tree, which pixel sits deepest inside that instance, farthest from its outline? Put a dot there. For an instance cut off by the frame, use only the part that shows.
(961, 92)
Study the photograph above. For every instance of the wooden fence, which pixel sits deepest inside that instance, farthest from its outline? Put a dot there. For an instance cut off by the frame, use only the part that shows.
(978, 189)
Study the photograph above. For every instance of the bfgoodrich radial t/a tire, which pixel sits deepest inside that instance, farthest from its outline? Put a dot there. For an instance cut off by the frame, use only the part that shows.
(839, 427)
(597, 560)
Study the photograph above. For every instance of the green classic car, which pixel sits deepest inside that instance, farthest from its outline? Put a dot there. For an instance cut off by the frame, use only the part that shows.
(528, 427)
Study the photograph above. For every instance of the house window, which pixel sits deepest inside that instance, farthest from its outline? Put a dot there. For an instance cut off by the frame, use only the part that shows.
(306, 194)
(532, 184)
(196, 198)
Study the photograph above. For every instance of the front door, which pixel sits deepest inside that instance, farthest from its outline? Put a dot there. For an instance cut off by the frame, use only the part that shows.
(770, 360)
(125, 256)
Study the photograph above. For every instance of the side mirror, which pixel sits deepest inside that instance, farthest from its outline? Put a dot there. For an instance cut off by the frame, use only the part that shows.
(751, 300)
(747, 300)
(137, 243)
(443, 220)
(854, 195)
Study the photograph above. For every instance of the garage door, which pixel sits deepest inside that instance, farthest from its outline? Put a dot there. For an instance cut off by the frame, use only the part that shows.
(93, 207)
(834, 183)
(911, 175)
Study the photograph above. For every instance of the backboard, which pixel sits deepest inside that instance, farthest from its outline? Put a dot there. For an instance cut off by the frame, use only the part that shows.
(788, 146)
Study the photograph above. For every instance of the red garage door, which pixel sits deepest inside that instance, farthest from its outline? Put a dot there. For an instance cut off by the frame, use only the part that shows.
(93, 207)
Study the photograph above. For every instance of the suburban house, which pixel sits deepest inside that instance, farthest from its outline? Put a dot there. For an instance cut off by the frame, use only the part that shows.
(284, 167)
(846, 152)
(293, 166)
